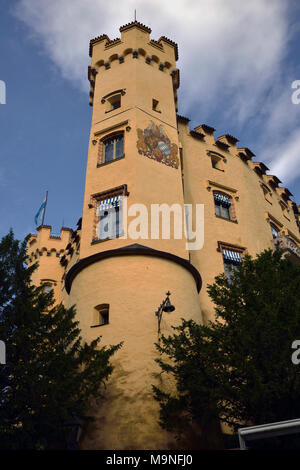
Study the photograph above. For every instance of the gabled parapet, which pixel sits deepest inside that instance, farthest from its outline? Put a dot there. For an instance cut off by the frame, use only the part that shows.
(208, 130)
(259, 167)
(197, 134)
(224, 143)
(245, 153)
(284, 192)
(272, 180)
(228, 139)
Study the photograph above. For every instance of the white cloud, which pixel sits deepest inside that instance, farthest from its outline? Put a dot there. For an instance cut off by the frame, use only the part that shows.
(231, 52)
(287, 162)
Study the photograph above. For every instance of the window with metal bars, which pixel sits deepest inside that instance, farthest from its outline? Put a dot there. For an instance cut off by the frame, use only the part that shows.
(109, 212)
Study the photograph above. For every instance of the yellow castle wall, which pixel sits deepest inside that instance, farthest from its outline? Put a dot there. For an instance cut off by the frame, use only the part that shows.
(135, 285)
(239, 180)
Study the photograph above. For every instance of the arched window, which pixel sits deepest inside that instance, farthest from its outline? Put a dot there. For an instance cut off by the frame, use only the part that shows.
(113, 148)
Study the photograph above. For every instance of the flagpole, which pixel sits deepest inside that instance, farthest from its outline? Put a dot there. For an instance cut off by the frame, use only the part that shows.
(45, 208)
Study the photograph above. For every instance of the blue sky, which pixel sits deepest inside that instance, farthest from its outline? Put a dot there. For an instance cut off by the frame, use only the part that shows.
(237, 60)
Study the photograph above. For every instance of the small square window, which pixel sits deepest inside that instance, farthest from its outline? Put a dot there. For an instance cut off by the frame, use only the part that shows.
(155, 105)
(114, 102)
(101, 315)
(217, 162)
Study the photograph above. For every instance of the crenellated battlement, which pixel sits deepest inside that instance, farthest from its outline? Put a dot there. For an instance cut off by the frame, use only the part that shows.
(228, 143)
(135, 43)
(43, 243)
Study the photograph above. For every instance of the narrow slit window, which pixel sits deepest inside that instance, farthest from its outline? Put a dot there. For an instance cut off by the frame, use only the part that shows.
(275, 231)
(267, 193)
(155, 105)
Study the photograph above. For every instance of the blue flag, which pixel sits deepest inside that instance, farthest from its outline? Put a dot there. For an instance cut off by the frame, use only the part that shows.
(40, 212)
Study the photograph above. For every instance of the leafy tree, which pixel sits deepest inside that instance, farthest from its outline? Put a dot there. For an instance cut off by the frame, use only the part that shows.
(50, 373)
(237, 369)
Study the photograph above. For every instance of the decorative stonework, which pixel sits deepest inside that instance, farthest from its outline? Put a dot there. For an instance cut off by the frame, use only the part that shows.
(154, 143)
(288, 246)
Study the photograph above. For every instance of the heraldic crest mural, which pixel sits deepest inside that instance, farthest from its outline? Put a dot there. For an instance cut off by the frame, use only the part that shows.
(154, 143)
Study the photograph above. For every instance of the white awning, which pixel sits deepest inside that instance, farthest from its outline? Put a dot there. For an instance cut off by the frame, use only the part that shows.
(232, 256)
(222, 199)
(109, 203)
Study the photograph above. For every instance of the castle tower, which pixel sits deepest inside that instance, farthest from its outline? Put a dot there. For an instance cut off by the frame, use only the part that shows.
(117, 266)
(119, 282)
(47, 250)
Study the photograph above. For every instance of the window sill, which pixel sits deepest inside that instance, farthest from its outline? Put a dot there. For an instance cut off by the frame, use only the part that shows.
(100, 324)
(268, 201)
(219, 169)
(224, 218)
(111, 161)
(110, 110)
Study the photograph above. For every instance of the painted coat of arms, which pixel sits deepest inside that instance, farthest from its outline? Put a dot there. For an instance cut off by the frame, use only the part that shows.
(154, 143)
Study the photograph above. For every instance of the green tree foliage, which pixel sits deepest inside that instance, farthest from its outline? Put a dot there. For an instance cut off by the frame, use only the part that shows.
(238, 368)
(50, 373)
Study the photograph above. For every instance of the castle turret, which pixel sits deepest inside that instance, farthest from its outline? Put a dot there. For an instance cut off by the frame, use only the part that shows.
(121, 278)
(145, 170)
(47, 250)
